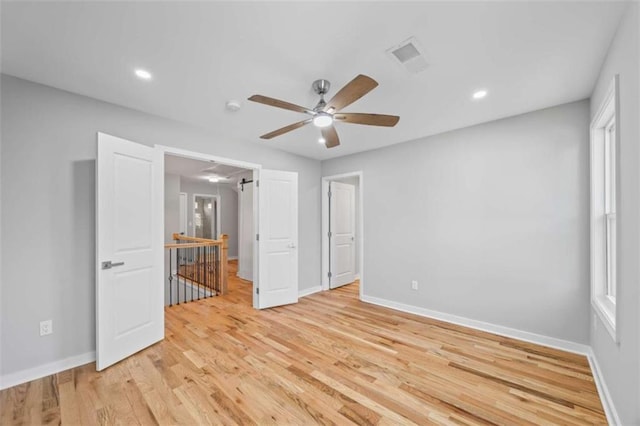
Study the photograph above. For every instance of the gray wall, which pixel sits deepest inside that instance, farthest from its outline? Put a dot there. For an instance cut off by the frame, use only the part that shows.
(492, 221)
(228, 212)
(171, 206)
(619, 363)
(48, 152)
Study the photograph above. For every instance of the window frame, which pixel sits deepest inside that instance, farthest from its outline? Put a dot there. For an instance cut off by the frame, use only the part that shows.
(604, 164)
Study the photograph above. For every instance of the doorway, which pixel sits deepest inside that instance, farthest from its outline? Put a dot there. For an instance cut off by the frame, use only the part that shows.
(342, 230)
(130, 223)
(275, 219)
(201, 195)
(206, 216)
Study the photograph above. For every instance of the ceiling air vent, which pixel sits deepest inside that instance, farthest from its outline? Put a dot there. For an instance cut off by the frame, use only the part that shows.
(409, 55)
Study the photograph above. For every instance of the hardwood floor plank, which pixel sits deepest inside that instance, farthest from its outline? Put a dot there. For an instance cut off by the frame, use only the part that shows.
(330, 359)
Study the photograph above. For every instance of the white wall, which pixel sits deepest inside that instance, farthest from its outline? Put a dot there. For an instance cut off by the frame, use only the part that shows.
(48, 152)
(228, 208)
(620, 363)
(491, 220)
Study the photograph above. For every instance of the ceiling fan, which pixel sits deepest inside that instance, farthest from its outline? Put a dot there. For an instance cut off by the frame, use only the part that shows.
(324, 114)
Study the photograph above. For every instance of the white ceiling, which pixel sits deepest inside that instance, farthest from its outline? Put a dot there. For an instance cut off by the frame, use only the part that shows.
(529, 55)
(199, 170)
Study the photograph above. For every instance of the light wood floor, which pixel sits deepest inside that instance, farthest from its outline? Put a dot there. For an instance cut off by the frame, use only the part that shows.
(329, 359)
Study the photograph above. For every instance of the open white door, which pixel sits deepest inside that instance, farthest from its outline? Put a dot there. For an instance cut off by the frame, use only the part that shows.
(342, 228)
(277, 278)
(129, 281)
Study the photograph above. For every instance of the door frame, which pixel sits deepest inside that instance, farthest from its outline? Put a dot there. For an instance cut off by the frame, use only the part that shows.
(325, 227)
(255, 168)
(218, 229)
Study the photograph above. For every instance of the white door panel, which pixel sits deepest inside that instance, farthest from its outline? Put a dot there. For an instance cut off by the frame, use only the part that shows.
(129, 295)
(342, 225)
(278, 244)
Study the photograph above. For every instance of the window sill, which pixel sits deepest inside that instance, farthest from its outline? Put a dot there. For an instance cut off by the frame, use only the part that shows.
(606, 311)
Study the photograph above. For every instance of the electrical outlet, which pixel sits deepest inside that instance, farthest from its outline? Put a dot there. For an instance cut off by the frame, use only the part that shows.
(414, 285)
(46, 327)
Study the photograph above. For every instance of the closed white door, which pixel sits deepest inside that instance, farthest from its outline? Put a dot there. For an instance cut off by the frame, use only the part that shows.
(277, 282)
(342, 228)
(130, 232)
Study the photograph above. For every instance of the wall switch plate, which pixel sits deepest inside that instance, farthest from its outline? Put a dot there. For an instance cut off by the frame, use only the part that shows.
(46, 327)
(414, 285)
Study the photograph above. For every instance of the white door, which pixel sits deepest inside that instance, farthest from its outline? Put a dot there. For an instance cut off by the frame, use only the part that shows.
(277, 282)
(129, 281)
(342, 240)
(183, 213)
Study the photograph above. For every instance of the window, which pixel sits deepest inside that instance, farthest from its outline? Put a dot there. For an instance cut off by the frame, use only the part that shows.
(604, 147)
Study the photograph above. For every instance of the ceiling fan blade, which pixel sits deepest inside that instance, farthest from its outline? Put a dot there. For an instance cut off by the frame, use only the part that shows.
(351, 92)
(368, 119)
(286, 129)
(279, 104)
(330, 136)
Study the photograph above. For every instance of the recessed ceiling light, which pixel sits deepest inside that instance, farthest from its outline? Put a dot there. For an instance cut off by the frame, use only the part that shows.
(322, 140)
(214, 179)
(143, 74)
(479, 94)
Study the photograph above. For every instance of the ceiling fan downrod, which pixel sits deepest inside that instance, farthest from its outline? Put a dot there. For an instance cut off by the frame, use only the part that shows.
(321, 87)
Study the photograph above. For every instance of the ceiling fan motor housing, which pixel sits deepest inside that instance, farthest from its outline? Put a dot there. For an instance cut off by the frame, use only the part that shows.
(321, 86)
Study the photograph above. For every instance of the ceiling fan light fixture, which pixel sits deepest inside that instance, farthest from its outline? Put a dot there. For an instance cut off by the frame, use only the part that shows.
(322, 119)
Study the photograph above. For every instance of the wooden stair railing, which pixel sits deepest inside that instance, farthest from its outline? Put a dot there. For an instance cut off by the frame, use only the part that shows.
(203, 262)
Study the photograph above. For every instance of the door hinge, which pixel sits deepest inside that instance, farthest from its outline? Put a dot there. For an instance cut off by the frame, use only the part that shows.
(329, 234)
(257, 183)
(257, 290)
(329, 194)
(257, 237)
(329, 274)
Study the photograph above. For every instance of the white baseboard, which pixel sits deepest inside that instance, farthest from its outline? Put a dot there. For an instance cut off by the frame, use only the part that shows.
(44, 370)
(565, 345)
(603, 390)
(308, 291)
(526, 336)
